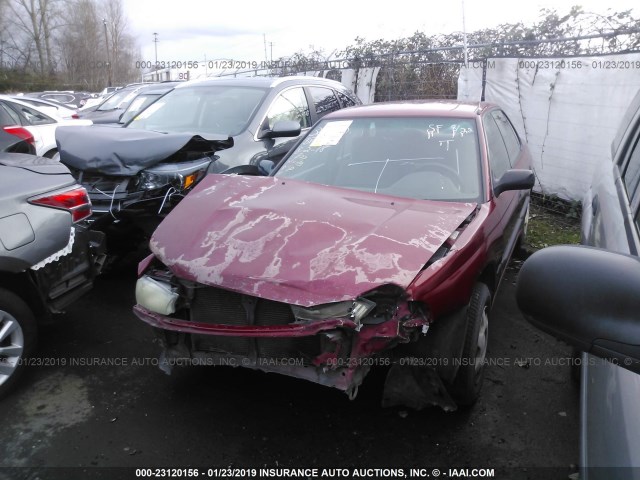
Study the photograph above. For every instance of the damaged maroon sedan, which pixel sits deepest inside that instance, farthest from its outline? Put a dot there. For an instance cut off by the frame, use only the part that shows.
(380, 239)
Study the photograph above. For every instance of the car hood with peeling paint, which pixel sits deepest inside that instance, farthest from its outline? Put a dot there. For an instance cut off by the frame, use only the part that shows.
(300, 243)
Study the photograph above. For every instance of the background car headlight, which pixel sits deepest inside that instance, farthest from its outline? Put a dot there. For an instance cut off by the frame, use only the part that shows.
(355, 310)
(181, 176)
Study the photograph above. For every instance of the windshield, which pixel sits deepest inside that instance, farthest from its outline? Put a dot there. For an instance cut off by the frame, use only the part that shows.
(217, 109)
(422, 158)
(118, 100)
(141, 102)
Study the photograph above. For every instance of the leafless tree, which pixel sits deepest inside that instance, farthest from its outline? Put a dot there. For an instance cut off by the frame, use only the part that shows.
(35, 22)
(87, 59)
(121, 43)
(82, 46)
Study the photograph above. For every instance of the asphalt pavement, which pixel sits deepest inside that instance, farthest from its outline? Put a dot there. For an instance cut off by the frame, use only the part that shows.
(94, 399)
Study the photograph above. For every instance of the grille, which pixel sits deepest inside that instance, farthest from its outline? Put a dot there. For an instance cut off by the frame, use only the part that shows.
(217, 306)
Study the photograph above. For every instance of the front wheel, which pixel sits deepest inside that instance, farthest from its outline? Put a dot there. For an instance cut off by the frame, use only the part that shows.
(466, 386)
(18, 334)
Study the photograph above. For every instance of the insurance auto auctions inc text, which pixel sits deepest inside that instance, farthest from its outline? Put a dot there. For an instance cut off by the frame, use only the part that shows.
(372, 473)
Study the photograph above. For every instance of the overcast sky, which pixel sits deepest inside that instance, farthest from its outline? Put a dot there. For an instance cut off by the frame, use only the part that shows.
(233, 29)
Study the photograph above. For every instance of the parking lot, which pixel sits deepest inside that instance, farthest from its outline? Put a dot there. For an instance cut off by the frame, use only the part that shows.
(94, 398)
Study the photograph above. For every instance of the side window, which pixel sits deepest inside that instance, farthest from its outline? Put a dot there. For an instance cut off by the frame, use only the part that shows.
(631, 176)
(509, 135)
(631, 179)
(8, 116)
(498, 155)
(59, 97)
(324, 100)
(345, 100)
(33, 117)
(290, 105)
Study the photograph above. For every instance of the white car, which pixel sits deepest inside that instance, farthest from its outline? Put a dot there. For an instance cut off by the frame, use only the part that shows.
(39, 124)
(49, 107)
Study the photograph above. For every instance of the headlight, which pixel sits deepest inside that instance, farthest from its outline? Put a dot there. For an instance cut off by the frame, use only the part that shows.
(356, 310)
(181, 176)
(156, 296)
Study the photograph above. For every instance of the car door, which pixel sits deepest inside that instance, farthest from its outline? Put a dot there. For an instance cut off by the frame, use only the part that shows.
(504, 213)
(610, 412)
(290, 104)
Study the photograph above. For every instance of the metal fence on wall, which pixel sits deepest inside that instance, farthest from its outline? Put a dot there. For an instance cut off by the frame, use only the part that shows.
(433, 73)
(397, 78)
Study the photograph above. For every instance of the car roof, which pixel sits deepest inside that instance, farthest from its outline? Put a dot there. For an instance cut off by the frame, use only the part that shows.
(18, 101)
(421, 108)
(626, 126)
(264, 82)
(43, 101)
(8, 98)
(157, 91)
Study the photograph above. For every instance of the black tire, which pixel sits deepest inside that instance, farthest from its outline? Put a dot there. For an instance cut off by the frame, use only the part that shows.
(51, 153)
(467, 384)
(13, 308)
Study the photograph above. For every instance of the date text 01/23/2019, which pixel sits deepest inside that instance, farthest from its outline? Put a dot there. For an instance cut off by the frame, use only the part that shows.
(306, 473)
(238, 64)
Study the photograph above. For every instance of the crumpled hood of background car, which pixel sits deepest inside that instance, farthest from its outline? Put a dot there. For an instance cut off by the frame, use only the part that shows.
(298, 242)
(127, 151)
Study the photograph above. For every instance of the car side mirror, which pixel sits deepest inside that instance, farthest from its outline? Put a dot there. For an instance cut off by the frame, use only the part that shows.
(252, 170)
(514, 180)
(284, 128)
(587, 297)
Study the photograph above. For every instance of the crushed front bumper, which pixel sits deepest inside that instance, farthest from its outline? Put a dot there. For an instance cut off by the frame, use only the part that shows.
(335, 352)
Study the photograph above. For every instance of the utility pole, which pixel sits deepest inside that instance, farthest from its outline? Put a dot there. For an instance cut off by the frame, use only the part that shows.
(106, 41)
(264, 39)
(464, 36)
(271, 45)
(155, 40)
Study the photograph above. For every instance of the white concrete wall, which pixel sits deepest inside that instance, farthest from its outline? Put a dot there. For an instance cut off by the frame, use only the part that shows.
(567, 109)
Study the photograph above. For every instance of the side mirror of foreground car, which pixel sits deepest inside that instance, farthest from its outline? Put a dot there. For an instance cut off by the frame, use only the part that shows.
(284, 128)
(587, 297)
(514, 180)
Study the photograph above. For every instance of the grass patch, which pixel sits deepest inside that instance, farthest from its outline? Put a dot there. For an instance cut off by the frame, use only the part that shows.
(550, 227)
